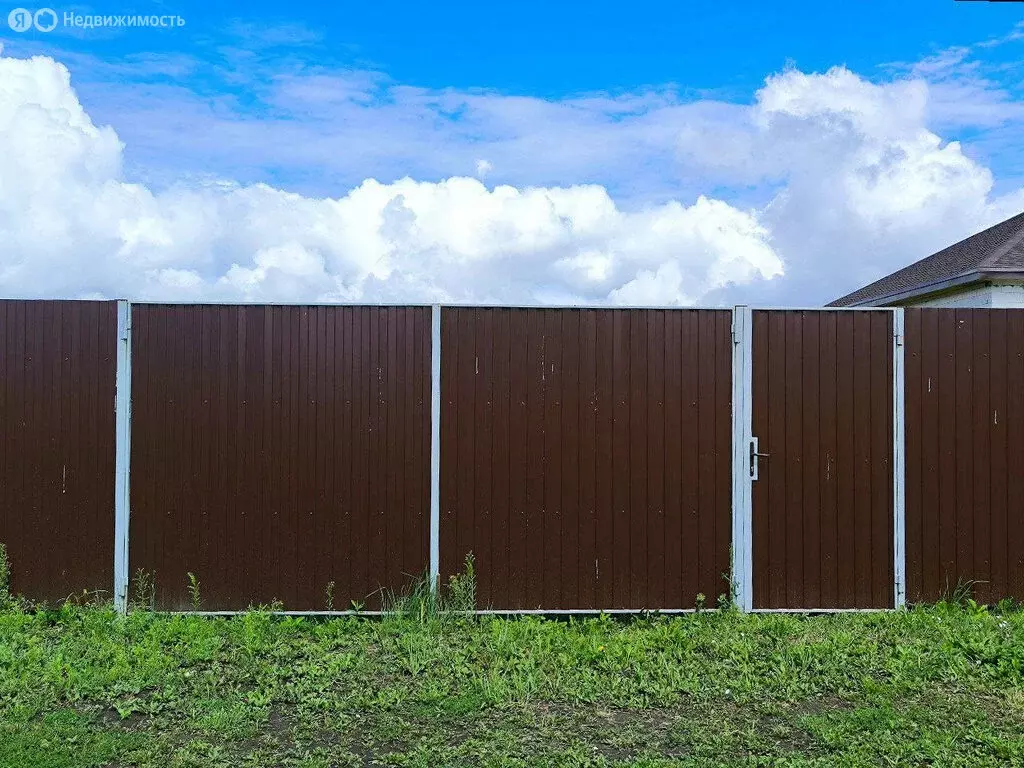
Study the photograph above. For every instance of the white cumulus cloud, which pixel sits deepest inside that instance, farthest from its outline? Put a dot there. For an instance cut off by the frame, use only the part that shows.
(70, 225)
(861, 185)
(821, 183)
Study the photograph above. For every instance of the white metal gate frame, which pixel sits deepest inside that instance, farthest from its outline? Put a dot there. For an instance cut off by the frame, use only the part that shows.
(744, 451)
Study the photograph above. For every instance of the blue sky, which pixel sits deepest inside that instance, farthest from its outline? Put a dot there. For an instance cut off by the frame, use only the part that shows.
(852, 137)
(554, 49)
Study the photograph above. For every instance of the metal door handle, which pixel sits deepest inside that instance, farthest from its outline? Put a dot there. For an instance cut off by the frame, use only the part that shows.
(754, 456)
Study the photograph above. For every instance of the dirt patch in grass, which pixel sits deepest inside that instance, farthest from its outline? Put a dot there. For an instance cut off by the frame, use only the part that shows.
(607, 734)
(693, 731)
(111, 718)
(279, 725)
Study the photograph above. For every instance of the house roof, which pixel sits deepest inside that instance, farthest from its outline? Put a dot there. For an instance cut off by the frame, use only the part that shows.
(998, 249)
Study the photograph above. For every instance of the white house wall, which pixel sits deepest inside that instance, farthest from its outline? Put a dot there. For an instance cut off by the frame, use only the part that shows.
(974, 296)
(1008, 296)
(987, 296)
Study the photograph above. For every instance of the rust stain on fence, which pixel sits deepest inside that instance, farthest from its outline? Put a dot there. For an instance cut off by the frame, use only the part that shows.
(965, 466)
(585, 455)
(57, 370)
(277, 450)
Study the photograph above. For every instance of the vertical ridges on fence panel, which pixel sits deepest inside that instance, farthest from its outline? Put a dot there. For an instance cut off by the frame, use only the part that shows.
(823, 503)
(587, 455)
(57, 370)
(280, 453)
(965, 468)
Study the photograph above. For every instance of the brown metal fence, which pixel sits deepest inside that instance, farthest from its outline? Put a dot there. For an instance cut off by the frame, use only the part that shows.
(586, 455)
(57, 445)
(965, 462)
(823, 414)
(279, 450)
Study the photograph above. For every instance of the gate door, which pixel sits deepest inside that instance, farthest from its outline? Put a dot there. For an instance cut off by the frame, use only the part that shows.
(823, 428)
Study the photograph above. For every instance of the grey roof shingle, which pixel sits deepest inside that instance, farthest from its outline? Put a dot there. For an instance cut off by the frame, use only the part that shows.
(999, 248)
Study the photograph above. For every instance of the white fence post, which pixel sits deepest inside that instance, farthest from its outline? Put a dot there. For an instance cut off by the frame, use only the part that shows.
(899, 463)
(435, 445)
(742, 510)
(122, 452)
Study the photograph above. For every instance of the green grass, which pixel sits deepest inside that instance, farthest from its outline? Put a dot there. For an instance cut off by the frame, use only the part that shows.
(82, 686)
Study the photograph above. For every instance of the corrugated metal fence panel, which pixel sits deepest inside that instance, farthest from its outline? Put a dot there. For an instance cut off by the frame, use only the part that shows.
(822, 516)
(585, 455)
(57, 369)
(965, 463)
(278, 449)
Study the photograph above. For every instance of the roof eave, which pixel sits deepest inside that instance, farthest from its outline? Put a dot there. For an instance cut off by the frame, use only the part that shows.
(941, 285)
